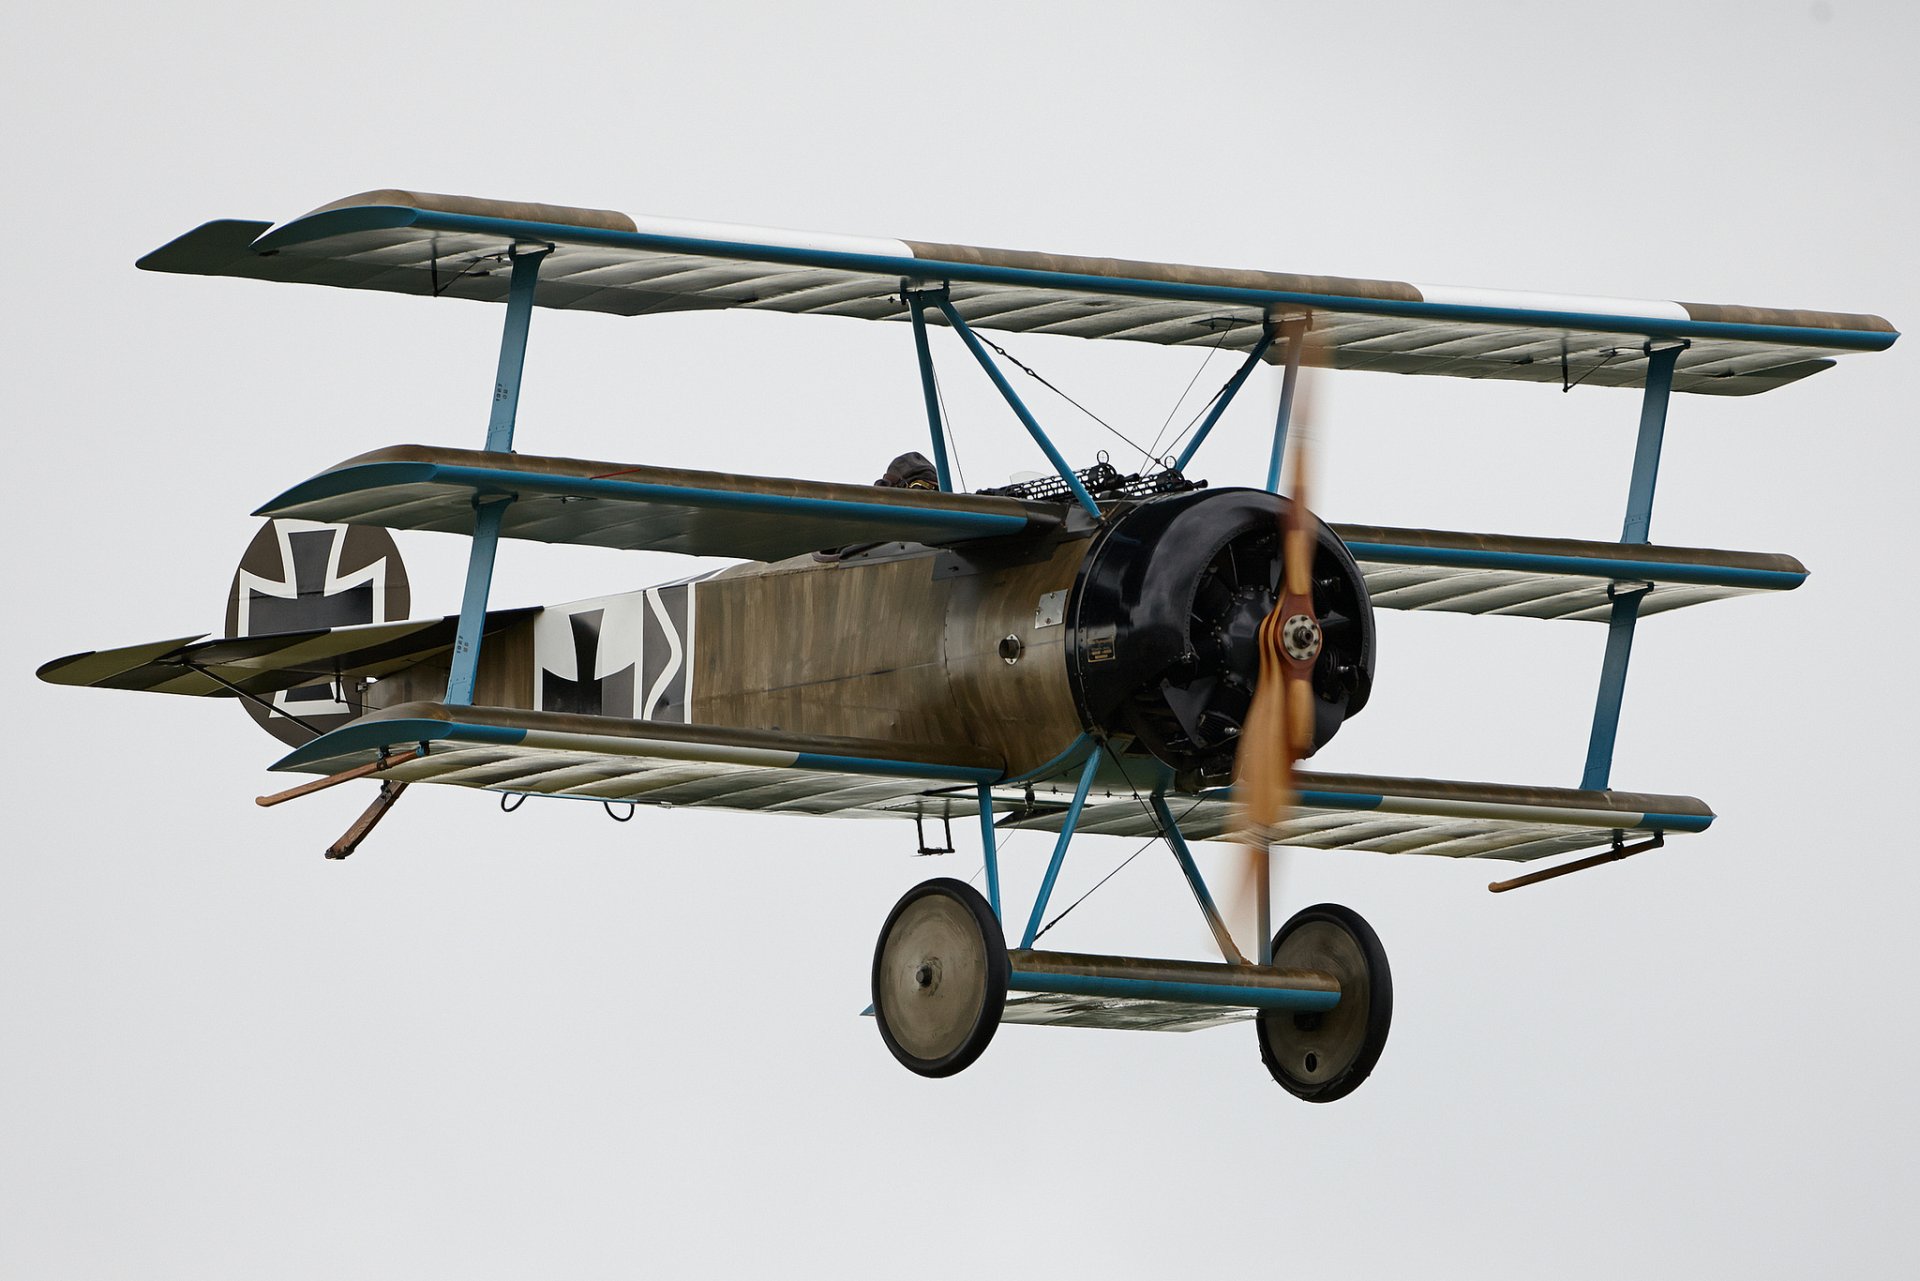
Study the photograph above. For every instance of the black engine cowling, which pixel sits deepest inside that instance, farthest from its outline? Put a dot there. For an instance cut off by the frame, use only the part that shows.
(1164, 621)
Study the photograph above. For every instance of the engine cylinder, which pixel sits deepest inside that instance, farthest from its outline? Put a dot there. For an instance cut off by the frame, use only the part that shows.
(1164, 622)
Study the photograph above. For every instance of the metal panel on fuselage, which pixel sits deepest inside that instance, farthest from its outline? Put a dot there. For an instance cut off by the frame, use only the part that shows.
(901, 644)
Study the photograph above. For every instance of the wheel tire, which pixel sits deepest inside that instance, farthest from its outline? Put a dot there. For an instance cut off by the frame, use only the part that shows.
(939, 977)
(1323, 1056)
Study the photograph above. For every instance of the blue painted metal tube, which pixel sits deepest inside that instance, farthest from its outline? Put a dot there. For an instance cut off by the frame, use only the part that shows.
(1295, 340)
(513, 349)
(1227, 994)
(1226, 398)
(473, 602)
(1626, 608)
(930, 390)
(1170, 829)
(1613, 687)
(990, 847)
(1646, 449)
(465, 664)
(1065, 758)
(1060, 849)
(1018, 406)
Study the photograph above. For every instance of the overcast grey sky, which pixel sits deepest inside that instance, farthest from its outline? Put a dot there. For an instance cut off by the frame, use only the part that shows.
(546, 1045)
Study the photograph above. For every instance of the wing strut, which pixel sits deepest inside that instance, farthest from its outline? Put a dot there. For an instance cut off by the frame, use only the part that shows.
(490, 509)
(990, 847)
(1625, 612)
(930, 389)
(1060, 848)
(941, 300)
(1296, 333)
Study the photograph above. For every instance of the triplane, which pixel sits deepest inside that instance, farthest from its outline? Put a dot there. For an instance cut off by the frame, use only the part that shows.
(1093, 653)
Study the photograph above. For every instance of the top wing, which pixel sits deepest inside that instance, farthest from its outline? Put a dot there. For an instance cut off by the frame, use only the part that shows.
(602, 260)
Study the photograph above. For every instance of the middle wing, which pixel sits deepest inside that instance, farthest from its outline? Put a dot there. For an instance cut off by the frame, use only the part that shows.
(603, 504)
(1426, 569)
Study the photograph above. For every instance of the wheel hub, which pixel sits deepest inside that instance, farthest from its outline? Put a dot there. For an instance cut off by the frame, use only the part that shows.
(939, 977)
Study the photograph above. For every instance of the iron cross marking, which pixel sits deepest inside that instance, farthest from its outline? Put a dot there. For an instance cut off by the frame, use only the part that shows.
(311, 606)
(586, 695)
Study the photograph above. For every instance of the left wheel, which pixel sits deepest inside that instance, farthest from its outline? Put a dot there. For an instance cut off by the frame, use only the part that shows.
(939, 977)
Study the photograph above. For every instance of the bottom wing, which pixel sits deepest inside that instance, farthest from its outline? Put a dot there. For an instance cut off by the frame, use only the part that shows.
(646, 762)
(649, 762)
(1402, 816)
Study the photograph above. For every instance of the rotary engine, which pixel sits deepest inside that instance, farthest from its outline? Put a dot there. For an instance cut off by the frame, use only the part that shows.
(1165, 618)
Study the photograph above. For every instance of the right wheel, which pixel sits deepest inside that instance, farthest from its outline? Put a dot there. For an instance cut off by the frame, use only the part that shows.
(939, 977)
(1318, 1055)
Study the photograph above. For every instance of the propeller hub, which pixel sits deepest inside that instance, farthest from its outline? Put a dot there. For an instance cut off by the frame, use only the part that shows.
(1300, 637)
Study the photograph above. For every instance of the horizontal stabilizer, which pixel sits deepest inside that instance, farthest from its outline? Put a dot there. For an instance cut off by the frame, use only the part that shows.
(601, 504)
(264, 664)
(432, 245)
(1551, 577)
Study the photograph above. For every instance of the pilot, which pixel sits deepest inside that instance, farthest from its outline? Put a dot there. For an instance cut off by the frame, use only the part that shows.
(910, 471)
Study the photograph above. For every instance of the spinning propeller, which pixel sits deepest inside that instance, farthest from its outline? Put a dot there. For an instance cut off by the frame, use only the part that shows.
(1279, 728)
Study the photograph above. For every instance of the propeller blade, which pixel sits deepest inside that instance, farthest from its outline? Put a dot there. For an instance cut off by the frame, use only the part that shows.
(1278, 731)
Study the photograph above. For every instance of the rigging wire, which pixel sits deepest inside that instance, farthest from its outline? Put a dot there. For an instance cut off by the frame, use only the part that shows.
(1198, 413)
(1034, 374)
(1147, 456)
(1144, 846)
(946, 428)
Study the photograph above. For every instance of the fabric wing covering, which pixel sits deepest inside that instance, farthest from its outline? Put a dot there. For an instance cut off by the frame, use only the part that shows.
(603, 504)
(454, 246)
(605, 759)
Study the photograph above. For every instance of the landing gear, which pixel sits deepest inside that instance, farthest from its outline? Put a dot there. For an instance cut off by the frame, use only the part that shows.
(1325, 1055)
(939, 977)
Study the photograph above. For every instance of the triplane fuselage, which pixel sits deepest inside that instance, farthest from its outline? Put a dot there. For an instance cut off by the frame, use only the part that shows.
(1093, 653)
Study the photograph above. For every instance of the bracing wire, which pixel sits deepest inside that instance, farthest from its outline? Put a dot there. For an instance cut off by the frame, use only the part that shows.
(946, 427)
(1144, 845)
(1034, 374)
(1147, 456)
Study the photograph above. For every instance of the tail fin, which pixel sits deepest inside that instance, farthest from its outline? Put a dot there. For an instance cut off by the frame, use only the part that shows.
(299, 575)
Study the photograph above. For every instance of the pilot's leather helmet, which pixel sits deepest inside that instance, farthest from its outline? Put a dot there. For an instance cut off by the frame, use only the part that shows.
(910, 471)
